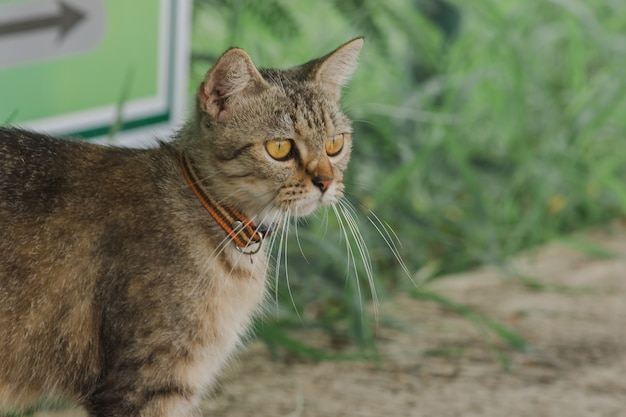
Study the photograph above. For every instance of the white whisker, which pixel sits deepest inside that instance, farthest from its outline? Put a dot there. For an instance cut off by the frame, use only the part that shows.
(325, 222)
(287, 221)
(278, 220)
(216, 253)
(351, 256)
(389, 241)
(219, 250)
(296, 221)
(349, 222)
(350, 217)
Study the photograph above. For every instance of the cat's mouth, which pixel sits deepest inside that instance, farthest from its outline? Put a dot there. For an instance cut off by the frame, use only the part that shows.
(313, 200)
(294, 201)
(294, 208)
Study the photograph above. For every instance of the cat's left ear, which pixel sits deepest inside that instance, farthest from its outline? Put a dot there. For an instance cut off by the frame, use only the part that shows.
(335, 69)
(232, 79)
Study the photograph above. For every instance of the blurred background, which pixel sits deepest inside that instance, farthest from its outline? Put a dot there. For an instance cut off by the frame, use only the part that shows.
(482, 128)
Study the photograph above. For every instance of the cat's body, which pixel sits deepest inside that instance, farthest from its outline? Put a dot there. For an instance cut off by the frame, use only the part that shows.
(118, 290)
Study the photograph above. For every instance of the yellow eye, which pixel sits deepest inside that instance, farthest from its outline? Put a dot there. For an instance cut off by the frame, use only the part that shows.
(335, 144)
(279, 149)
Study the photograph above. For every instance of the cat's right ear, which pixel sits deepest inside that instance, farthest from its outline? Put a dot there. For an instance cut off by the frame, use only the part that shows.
(233, 77)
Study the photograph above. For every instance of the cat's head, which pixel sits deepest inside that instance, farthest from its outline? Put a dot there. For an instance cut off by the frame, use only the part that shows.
(274, 141)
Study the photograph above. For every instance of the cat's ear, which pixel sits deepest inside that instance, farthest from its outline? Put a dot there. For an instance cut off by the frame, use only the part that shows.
(233, 77)
(335, 69)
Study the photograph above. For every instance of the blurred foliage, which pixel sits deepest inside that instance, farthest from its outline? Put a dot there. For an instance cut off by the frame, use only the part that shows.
(481, 128)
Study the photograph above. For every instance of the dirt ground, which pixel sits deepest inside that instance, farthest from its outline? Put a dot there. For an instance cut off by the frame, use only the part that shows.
(438, 364)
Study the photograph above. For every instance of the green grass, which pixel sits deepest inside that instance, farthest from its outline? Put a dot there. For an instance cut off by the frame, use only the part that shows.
(472, 145)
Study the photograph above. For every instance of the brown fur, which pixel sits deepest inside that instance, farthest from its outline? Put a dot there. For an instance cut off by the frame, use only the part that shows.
(117, 290)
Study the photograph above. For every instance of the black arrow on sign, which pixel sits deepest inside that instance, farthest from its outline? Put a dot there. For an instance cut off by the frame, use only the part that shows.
(64, 19)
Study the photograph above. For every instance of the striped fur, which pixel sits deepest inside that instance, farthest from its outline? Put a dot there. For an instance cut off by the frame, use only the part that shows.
(118, 291)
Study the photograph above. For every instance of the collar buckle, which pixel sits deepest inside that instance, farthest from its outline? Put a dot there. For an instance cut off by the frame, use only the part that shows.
(253, 246)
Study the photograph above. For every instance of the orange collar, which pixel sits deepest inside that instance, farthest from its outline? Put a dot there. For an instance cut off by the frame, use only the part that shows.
(244, 233)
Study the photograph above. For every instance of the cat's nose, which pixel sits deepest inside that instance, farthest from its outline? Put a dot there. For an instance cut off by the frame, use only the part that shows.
(323, 183)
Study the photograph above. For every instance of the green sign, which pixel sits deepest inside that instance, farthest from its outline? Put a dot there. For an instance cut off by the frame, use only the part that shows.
(90, 67)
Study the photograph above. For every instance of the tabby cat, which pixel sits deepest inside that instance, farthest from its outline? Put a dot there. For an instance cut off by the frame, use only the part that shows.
(128, 276)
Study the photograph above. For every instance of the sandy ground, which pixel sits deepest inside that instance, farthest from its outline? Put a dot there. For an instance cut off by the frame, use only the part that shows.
(438, 364)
